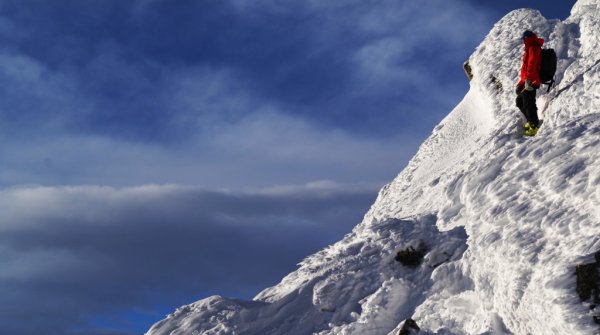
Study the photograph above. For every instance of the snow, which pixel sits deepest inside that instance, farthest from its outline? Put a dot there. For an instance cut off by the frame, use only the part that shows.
(505, 218)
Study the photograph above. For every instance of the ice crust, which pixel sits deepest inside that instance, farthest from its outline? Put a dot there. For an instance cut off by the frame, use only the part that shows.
(505, 218)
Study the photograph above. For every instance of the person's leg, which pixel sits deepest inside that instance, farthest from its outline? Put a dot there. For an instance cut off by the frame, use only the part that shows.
(520, 105)
(530, 108)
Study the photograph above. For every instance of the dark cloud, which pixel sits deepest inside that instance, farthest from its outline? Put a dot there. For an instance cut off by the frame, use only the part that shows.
(71, 254)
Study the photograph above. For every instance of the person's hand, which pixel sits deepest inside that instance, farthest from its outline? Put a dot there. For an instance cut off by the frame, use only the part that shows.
(529, 85)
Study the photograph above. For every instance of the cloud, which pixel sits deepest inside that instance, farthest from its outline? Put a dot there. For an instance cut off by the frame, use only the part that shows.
(118, 93)
(125, 60)
(194, 125)
(263, 149)
(407, 46)
(70, 254)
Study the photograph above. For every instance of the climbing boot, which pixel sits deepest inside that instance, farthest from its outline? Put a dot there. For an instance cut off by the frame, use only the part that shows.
(531, 131)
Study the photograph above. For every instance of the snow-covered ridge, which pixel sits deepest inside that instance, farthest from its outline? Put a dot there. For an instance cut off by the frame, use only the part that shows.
(505, 218)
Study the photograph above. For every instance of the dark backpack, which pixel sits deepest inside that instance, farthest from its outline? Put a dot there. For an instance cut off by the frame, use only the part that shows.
(548, 67)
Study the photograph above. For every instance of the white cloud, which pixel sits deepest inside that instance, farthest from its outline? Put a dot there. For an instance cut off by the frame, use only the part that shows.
(261, 150)
(402, 30)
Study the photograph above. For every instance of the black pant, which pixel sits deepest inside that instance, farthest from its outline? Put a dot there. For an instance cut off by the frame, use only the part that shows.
(526, 104)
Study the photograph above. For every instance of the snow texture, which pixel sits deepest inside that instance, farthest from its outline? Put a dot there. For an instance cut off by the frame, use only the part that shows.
(505, 218)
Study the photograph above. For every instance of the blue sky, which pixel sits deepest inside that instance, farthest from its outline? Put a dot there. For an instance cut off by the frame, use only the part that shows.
(155, 152)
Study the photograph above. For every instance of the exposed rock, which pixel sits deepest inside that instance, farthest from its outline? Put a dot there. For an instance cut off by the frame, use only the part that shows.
(409, 327)
(588, 281)
(468, 70)
(412, 257)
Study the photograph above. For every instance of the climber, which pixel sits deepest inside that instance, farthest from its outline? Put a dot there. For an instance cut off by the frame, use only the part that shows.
(530, 81)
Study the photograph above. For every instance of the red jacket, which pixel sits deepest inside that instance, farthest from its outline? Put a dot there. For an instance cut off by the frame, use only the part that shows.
(532, 58)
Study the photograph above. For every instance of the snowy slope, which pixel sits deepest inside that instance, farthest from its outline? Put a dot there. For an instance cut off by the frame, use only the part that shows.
(506, 217)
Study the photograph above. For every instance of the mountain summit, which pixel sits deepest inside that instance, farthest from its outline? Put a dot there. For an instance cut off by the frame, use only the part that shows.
(481, 233)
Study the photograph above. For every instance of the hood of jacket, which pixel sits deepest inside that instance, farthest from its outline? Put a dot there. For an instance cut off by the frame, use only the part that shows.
(533, 40)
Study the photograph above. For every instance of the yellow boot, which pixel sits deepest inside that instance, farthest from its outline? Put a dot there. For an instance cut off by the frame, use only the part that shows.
(531, 131)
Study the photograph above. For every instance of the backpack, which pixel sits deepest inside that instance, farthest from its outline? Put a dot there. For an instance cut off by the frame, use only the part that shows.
(548, 67)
